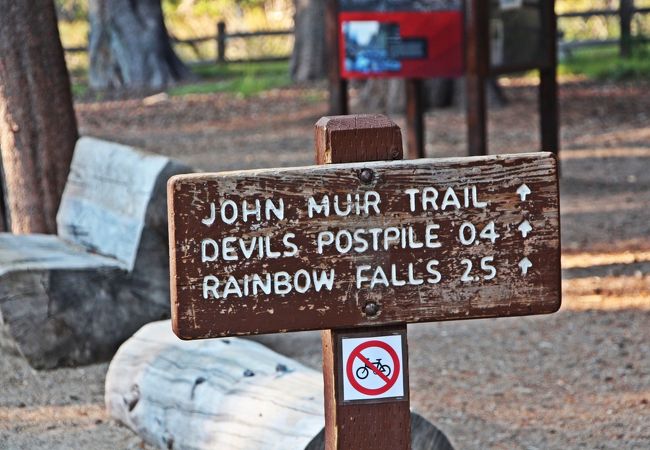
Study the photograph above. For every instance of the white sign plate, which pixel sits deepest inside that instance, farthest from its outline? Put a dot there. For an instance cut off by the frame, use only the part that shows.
(373, 368)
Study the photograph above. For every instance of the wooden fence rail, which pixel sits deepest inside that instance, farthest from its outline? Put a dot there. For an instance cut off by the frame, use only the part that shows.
(221, 39)
(625, 12)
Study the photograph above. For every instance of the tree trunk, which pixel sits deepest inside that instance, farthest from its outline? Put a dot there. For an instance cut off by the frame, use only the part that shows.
(38, 128)
(308, 57)
(129, 46)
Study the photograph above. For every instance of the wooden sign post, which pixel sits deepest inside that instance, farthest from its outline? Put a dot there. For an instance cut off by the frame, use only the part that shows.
(360, 246)
(358, 424)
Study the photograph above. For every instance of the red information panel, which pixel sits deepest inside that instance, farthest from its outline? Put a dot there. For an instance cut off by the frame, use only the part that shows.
(410, 44)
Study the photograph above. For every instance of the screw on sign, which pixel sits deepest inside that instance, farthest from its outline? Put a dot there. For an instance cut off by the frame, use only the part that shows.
(359, 249)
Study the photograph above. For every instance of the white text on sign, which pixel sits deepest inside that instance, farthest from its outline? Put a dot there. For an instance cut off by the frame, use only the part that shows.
(357, 241)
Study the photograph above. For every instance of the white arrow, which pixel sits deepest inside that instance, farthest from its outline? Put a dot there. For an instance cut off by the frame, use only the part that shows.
(525, 264)
(523, 192)
(525, 228)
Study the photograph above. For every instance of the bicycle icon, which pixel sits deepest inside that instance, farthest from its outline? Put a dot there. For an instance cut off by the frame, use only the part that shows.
(363, 371)
(382, 357)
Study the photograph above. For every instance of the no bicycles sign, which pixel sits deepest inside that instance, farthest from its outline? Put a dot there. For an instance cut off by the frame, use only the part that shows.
(373, 368)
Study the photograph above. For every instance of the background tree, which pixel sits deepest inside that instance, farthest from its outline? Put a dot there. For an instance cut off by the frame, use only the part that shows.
(38, 129)
(308, 56)
(129, 46)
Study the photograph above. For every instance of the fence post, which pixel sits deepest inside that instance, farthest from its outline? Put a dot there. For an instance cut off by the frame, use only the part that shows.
(221, 41)
(625, 12)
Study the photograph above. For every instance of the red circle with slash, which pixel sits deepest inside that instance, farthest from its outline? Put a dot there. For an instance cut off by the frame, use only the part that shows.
(389, 381)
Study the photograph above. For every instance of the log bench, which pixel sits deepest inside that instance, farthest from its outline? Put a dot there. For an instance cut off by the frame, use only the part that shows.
(73, 298)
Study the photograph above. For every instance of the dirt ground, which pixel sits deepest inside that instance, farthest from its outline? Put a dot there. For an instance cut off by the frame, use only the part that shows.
(576, 379)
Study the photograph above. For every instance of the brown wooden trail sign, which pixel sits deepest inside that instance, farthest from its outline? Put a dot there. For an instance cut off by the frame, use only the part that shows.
(309, 248)
(363, 248)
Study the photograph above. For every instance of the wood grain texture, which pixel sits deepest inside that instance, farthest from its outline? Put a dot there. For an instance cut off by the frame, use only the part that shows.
(497, 180)
(365, 137)
(72, 299)
(105, 200)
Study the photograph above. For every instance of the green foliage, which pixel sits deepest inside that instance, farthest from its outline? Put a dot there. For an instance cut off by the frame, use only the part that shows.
(605, 64)
(244, 79)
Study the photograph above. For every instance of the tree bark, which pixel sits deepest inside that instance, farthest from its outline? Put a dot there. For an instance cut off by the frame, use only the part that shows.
(129, 46)
(38, 128)
(308, 57)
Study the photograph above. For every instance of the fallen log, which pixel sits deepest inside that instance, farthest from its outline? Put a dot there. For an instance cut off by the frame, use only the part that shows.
(75, 297)
(228, 393)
